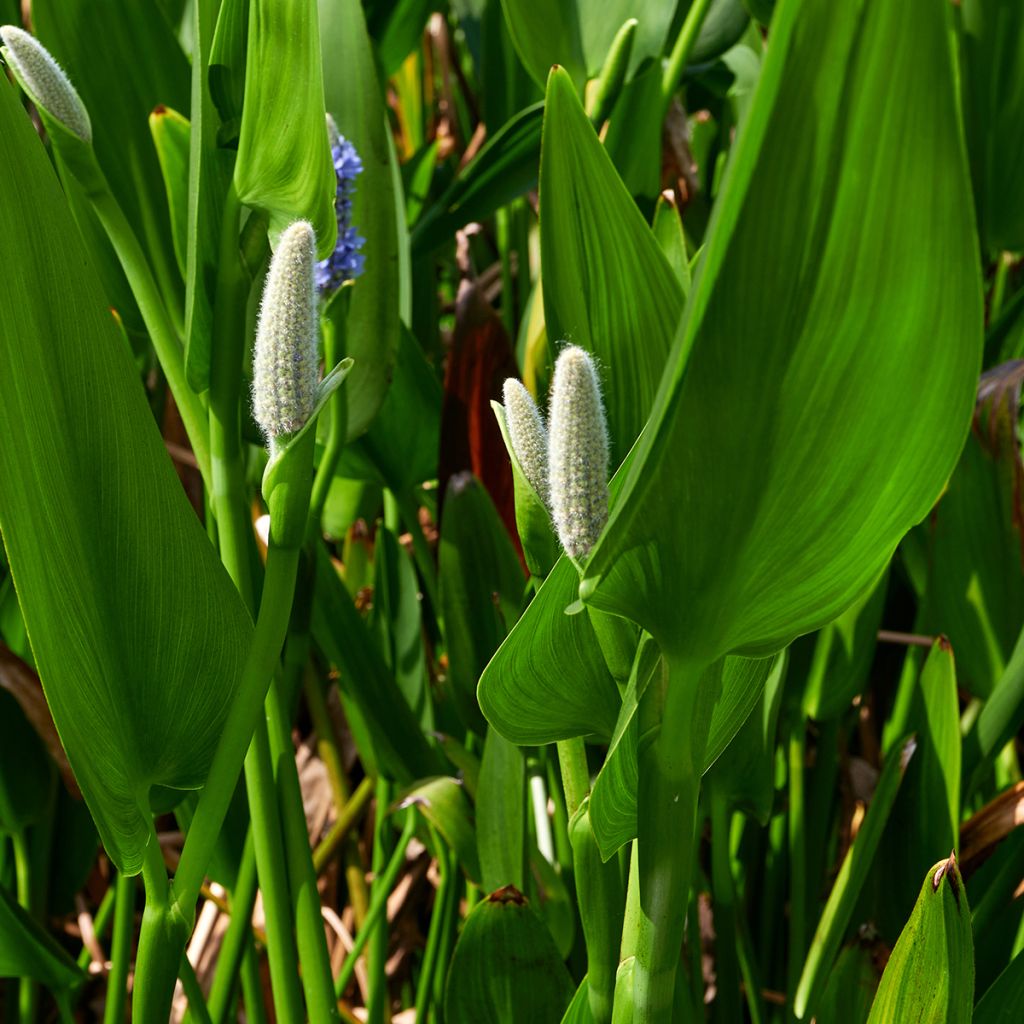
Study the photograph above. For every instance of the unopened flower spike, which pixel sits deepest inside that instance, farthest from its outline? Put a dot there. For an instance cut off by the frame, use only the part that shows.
(346, 262)
(44, 80)
(286, 361)
(577, 452)
(528, 436)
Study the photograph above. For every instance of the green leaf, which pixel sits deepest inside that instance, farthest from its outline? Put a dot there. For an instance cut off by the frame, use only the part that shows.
(443, 802)
(505, 168)
(26, 951)
(354, 99)
(607, 285)
(723, 26)
(284, 165)
(843, 652)
(545, 36)
(842, 900)
(26, 772)
(785, 456)
(1003, 999)
(171, 137)
(930, 976)
(123, 62)
(525, 692)
(505, 968)
(578, 1011)
(851, 987)
(975, 586)
(481, 588)
(501, 814)
(138, 645)
(668, 230)
(992, 83)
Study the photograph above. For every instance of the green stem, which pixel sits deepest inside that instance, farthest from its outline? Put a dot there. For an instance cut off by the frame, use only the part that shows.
(99, 924)
(252, 985)
(797, 859)
(317, 981)
(1003, 263)
(193, 993)
(157, 320)
(682, 49)
(572, 758)
(28, 988)
(727, 1007)
(425, 983)
(377, 936)
(349, 813)
(382, 887)
(124, 927)
(420, 549)
(674, 716)
(237, 937)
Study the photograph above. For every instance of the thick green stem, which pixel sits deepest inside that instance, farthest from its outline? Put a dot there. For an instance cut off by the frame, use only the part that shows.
(674, 715)
(683, 48)
(121, 954)
(572, 758)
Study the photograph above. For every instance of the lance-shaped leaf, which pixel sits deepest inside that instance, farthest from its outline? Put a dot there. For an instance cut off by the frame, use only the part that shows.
(607, 285)
(284, 158)
(788, 454)
(930, 976)
(138, 643)
(26, 951)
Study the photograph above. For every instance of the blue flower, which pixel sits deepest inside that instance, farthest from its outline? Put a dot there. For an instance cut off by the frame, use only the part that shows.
(346, 262)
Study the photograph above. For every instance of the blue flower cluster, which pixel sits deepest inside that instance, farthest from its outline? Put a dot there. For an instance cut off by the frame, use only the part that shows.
(346, 262)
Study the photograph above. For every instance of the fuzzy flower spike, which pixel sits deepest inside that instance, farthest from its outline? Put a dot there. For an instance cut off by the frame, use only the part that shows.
(528, 435)
(577, 453)
(286, 362)
(44, 80)
(346, 262)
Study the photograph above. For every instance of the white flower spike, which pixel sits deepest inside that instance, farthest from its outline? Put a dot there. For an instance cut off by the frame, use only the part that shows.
(528, 436)
(286, 361)
(577, 452)
(44, 80)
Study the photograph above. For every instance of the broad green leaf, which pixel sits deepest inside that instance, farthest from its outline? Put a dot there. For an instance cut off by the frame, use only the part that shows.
(578, 1011)
(975, 586)
(930, 976)
(373, 702)
(785, 456)
(227, 62)
(505, 168)
(607, 286)
(481, 584)
(525, 691)
(443, 802)
(124, 62)
(172, 135)
(505, 968)
(138, 644)
(842, 900)
(284, 165)
(26, 951)
(1003, 999)
(992, 83)
(634, 137)
(353, 95)
(501, 814)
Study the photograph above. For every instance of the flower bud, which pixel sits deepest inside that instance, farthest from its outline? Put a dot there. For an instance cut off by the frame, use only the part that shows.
(577, 452)
(528, 436)
(43, 80)
(286, 362)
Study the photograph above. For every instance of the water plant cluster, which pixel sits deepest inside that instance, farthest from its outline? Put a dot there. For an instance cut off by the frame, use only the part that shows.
(511, 513)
